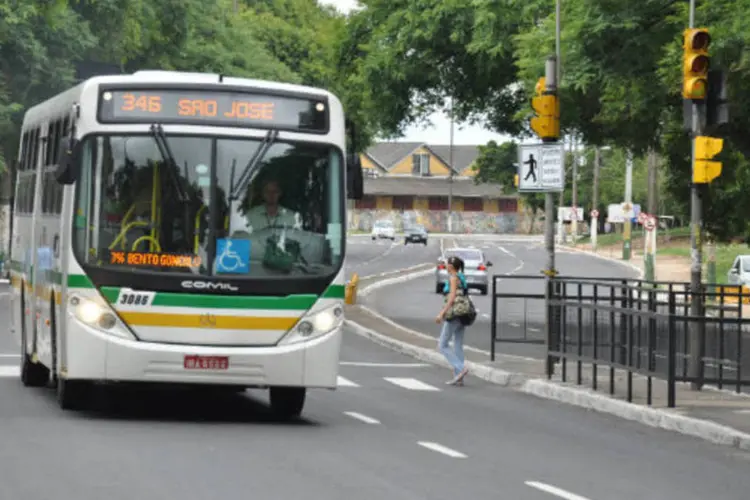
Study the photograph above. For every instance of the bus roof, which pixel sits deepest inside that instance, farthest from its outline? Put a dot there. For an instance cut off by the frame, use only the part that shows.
(41, 110)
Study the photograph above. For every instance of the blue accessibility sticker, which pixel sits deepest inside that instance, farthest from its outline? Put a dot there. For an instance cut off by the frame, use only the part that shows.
(232, 256)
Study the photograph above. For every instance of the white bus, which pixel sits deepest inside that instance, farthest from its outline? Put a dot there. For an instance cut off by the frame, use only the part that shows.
(182, 228)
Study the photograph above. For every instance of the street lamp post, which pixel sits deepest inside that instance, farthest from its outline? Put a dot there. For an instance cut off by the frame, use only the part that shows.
(450, 176)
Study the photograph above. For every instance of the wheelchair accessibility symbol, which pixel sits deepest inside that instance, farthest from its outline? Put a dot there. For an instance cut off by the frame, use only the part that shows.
(232, 256)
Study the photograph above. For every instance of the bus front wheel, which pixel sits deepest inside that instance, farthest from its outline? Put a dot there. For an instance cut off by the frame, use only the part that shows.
(287, 402)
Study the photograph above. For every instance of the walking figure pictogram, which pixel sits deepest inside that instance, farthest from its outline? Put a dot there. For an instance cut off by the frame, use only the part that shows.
(531, 162)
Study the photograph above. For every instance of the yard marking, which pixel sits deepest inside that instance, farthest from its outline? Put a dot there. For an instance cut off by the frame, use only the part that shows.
(345, 382)
(411, 384)
(441, 449)
(362, 418)
(553, 490)
(10, 371)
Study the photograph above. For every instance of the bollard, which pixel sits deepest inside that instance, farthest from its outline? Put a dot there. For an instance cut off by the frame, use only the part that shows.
(350, 293)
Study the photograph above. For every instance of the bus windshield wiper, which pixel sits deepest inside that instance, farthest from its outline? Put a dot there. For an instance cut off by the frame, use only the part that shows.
(166, 153)
(253, 165)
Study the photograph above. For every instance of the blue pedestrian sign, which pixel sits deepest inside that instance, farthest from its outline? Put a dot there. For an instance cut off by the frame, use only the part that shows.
(232, 256)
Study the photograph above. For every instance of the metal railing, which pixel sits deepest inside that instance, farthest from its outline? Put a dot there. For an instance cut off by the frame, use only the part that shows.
(644, 328)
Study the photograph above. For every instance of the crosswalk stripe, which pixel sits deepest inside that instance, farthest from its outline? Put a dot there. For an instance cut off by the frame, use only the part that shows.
(410, 383)
(345, 382)
(10, 371)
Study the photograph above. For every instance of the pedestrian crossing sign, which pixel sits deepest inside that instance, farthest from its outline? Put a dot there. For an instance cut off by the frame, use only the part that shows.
(540, 167)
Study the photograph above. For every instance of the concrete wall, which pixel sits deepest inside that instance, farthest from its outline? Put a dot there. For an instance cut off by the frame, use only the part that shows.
(436, 221)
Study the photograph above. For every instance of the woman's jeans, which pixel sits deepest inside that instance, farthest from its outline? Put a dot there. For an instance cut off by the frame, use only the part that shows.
(455, 357)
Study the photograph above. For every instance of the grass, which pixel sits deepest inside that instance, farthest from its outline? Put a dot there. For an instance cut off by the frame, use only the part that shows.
(676, 242)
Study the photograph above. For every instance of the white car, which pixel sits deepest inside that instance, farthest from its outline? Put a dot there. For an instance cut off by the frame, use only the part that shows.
(384, 229)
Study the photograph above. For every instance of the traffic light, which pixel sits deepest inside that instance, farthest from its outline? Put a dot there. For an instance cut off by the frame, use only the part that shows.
(695, 63)
(547, 107)
(705, 170)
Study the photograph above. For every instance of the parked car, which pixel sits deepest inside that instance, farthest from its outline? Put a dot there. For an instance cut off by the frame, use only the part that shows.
(739, 273)
(415, 234)
(475, 269)
(384, 228)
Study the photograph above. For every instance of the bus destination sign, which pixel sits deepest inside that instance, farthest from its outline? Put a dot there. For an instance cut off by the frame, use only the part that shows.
(214, 107)
(140, 259)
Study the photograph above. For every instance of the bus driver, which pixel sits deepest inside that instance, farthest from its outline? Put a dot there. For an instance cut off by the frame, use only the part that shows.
(270, 213)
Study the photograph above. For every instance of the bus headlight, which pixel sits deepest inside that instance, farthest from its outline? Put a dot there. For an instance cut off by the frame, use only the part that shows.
(97, 315)
(315, 323)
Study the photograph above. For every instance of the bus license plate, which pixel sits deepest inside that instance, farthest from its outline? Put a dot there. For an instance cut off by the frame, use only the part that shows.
(206, 362)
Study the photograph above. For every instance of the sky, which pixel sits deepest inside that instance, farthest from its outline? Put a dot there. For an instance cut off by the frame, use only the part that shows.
(439, 131)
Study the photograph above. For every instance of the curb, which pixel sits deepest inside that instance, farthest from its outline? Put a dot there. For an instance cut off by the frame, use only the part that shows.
(653, 417)
(574, 396)
(633, 267)
(493, 375)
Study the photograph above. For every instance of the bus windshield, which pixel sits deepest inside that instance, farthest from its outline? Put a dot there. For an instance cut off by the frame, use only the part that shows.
(235, 207)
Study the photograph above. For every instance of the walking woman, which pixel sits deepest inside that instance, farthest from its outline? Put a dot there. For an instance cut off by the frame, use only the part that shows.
(452, 327)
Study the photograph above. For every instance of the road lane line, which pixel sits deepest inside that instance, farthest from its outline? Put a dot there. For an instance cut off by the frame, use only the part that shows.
(534, 329)
(515, 325)
(441, 449)
(345, 382)
(553, 490)
(10, 355)
(742, 412)
(384, 365)
(10, 371)
(362, 418)
(411, 384)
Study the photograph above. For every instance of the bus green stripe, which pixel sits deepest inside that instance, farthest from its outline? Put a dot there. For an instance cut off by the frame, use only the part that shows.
(290, 303)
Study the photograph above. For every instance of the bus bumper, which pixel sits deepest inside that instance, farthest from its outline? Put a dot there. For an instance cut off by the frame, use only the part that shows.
(312, 363)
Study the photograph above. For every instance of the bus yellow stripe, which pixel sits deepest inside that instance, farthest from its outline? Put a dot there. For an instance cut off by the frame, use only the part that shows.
(208, 321)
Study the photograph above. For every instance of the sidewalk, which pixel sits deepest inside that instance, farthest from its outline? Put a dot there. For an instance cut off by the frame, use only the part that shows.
(721, 417)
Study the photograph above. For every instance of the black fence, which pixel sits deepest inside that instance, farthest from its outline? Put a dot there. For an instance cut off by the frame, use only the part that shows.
(640, 327)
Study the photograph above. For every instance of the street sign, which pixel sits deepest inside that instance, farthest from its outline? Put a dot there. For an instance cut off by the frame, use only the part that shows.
(540, 167)
(594, 214)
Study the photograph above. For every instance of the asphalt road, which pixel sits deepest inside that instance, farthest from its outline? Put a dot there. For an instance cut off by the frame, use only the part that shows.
(369, 258)
(392, 430)
(415, 304)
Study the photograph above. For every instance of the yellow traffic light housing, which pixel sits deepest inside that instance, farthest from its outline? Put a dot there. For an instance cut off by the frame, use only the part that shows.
(705, 170)
(547, 107)
(695, 63)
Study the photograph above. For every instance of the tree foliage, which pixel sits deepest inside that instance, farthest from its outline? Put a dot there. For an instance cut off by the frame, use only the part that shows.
(621, 76)
(43, 41)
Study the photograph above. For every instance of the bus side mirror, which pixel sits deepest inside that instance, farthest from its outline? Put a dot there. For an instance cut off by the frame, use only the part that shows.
(354, 178)
(68, 166)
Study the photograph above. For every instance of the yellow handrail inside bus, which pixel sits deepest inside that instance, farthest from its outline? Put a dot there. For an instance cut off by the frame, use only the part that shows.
(196, 244)
(124, 232)
(154, 243)
(155, 210)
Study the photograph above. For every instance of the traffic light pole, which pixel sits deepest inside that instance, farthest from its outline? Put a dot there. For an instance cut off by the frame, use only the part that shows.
(697, 328)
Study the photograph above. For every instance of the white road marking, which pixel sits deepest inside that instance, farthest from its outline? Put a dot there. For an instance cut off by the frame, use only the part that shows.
(383, 365)
(345, 382)
(552, 490)
(515, 325)
(534, 330)
(411, 383)
(742, 412)
(486, 316)
(362, 418)
(520, 265)
(10, 371)
(10, 355)
(441, 449)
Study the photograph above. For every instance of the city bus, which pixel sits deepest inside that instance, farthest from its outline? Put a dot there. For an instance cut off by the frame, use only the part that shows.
(182, 228)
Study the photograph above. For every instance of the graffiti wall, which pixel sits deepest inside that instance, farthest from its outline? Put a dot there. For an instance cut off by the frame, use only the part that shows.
(436, 221)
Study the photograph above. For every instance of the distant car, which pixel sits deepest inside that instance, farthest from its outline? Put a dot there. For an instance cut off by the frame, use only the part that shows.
(739, 273)
(415, 234)
(475, 269)
(383, 229)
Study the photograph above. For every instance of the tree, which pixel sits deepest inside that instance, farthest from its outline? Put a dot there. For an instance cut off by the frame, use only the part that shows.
(497, 164)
